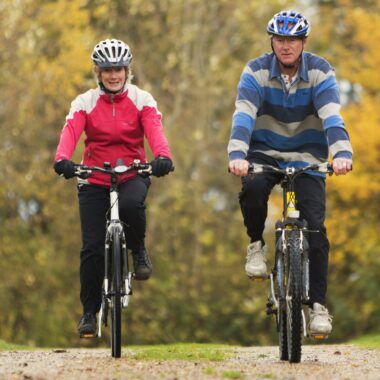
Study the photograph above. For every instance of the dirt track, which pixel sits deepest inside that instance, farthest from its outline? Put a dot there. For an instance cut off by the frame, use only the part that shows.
(318, 362)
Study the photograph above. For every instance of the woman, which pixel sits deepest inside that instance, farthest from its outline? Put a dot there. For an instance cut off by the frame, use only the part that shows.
(115, 118)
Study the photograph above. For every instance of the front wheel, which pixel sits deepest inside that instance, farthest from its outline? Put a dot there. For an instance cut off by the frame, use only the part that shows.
(282, 333)
(294, 296)
(116, 297)
(281, 311)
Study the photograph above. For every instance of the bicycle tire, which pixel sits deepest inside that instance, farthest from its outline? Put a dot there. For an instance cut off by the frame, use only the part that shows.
(116, 297)
(281, 312)
(294, 297)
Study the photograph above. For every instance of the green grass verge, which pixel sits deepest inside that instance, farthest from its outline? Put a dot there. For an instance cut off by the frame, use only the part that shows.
(180, 351)
(371, 341)
(176, 351)
(232, 375)
(4, 346)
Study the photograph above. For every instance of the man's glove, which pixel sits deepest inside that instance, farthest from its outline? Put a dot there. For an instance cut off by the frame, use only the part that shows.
(161, 166)
(65, 168)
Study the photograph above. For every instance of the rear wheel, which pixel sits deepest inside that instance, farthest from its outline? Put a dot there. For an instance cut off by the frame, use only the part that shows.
(116, 297)
(294, 297)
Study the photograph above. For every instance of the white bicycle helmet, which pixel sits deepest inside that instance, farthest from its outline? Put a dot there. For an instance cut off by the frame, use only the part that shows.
(111, 53)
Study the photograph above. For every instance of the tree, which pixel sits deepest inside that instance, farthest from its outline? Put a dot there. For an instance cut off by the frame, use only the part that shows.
(189, 54)
(352, 221)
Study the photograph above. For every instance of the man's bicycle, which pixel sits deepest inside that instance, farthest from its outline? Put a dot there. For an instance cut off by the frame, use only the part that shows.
(289, 278)
(117, 284)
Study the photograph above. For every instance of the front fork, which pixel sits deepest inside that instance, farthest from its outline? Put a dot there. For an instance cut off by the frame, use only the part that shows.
(126, 278)
(127, 274)
(277, 277)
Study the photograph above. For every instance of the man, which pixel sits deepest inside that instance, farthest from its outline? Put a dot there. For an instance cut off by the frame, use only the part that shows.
(287, 114)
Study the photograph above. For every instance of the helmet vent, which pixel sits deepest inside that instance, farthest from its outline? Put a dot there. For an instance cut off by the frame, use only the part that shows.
(112, 53)
(288, 24)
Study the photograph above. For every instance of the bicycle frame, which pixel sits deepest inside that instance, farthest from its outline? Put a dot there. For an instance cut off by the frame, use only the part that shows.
(114, 226)
(289, 278)
(117, 284)
(291, 221)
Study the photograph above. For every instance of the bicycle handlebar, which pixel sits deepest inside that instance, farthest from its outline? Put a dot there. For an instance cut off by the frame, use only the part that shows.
(291, 171)
(84, 171)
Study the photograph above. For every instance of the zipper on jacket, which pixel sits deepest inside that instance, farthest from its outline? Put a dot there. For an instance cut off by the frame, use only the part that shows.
(112, 96)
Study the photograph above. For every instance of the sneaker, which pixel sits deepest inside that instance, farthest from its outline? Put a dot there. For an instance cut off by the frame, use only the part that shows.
(142, 264)
(256, 266)
(320, 321)
(87, 326)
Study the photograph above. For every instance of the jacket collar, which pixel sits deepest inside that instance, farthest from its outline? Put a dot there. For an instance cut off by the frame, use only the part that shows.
(114, 97)
(274, 70)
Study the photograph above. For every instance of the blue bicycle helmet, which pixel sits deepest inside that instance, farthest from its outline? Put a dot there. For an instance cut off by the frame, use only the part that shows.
(288, 24)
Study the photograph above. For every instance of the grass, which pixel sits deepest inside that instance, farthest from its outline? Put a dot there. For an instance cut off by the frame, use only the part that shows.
(4, 346)
(181, 351)
(209, 371)
(176, 351)
(370, 341)
(232, 375)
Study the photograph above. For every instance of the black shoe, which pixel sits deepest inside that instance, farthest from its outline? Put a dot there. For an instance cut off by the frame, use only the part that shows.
(87, 326)
(142, 264)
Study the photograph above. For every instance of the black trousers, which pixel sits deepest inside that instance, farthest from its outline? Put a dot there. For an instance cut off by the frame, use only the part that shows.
(94, 205)
(311, 202)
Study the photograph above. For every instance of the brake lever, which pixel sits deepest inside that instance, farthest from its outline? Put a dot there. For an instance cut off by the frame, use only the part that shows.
(83, 173)
(145, 173)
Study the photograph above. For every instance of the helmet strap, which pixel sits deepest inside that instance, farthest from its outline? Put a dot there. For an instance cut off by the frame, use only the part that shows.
(107, 91)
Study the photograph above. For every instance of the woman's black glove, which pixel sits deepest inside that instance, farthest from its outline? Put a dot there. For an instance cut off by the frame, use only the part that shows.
(65, 168)
(161, 166)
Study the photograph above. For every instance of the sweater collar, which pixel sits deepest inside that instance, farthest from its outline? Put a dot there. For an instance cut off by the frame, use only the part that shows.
(274, 71)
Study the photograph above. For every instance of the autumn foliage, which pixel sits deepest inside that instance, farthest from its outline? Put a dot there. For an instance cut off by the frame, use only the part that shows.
(189, 54)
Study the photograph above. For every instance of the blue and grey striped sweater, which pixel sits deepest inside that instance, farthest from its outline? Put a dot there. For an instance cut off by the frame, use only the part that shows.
(296, 127)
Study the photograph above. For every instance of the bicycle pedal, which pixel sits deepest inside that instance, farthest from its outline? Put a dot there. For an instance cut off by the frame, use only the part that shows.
(270, 311)
(258, 279)
(319, 336)
(88, 336)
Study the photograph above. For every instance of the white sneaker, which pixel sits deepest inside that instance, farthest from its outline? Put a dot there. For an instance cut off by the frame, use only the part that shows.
(320, 323)
(256, 266)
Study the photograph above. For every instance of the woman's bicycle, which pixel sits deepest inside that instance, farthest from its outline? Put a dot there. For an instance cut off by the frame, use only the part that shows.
(289, 278)
(117, 284)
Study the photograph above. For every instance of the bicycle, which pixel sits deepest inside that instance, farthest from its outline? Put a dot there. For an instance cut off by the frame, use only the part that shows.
(117, 284)
(289, 278)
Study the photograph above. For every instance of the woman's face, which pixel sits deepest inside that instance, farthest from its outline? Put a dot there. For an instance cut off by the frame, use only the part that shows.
(113, 78)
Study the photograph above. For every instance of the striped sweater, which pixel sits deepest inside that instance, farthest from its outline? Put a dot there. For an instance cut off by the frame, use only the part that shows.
(296, 127)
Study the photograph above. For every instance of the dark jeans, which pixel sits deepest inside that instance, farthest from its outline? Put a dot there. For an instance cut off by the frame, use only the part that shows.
(94, 205)
(310, 194)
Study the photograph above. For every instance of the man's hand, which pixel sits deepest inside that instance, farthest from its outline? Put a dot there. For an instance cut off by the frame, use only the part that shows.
(239, 167)
(342, 165)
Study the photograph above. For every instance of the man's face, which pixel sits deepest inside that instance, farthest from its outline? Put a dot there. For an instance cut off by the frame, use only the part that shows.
(287, 49)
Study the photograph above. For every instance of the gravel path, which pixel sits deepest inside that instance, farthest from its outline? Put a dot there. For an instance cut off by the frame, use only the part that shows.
(320, 362)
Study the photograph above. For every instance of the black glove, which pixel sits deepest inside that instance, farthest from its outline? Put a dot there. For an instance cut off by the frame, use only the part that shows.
(65, 168)
(161, 166)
